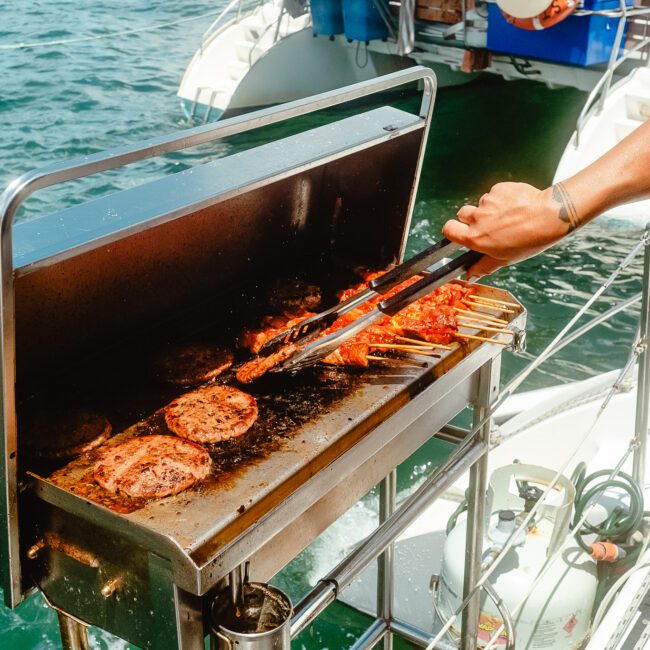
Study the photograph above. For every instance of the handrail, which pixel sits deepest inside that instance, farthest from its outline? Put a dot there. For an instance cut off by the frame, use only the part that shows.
(239, 4)
(615, 61)
(586, 109)
(277, 24)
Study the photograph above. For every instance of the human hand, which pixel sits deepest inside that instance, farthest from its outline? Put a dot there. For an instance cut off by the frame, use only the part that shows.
(512, 222)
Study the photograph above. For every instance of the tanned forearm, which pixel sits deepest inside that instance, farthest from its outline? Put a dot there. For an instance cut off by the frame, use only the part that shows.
(620, 176)
(516, 220)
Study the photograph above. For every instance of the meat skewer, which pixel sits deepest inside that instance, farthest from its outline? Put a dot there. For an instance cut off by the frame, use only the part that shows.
(432, 321)
(487, 305)
(424, 344)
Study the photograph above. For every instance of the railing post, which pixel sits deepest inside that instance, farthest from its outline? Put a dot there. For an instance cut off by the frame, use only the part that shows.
(488, 386)
(643, 383)
(616, 48)
(386, 561)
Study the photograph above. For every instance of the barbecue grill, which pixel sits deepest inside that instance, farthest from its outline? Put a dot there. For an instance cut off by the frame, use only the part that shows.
(89, 300)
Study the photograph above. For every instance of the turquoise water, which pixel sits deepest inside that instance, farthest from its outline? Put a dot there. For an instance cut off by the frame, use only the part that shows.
(63, 101)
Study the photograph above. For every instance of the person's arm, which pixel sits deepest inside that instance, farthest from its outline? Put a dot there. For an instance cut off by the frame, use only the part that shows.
(516, 220)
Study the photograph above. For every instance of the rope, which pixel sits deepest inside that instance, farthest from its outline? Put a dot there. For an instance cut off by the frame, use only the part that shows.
(99, 37)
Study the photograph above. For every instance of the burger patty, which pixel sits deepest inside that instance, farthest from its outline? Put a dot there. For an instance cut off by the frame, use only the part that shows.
(211, 414)
(194, 364)
(63, 433)
(152, 466)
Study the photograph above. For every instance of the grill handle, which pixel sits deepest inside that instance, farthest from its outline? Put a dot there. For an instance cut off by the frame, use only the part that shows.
(417, 264)
(428, 283)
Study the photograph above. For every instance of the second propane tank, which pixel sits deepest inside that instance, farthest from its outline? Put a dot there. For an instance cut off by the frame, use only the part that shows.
(556, 615)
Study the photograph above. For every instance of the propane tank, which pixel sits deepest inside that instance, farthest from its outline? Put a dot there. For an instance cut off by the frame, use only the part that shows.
(558, 611)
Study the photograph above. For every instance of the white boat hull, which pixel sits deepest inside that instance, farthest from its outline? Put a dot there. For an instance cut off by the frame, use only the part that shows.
(267, 58)
(626, 107)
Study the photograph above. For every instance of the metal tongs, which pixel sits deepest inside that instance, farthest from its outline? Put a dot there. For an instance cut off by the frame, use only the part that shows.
(311, 327)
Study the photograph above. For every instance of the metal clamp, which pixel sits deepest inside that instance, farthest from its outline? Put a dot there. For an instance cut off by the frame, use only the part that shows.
(519, 340)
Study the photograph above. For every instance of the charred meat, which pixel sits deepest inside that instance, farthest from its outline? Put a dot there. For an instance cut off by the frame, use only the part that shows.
(294, 296)
(259, 366)
(254, 339)
(64, 433)
(193, 364)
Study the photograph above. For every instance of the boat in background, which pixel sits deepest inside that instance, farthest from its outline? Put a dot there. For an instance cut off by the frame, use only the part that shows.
(262, 52)
(609, 115)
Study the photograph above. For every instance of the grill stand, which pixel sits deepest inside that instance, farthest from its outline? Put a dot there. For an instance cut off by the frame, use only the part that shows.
(73, 633)
(472, 455)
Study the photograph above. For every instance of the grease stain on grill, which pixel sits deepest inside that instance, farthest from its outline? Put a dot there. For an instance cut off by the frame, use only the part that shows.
(286, 404)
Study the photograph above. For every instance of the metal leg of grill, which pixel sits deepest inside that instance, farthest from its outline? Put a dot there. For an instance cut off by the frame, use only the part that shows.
(73, 633)
(643, 385)
(376, 632)
(487, 391)
(342, 575)
(189, 620)
(386, 561)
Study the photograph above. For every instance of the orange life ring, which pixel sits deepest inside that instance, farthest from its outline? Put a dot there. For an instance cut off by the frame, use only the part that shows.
(556, 12)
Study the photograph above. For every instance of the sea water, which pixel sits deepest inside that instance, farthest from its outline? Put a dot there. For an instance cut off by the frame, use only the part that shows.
(67, 99)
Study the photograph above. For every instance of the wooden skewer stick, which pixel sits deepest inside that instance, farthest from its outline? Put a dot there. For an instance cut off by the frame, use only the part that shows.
(397, 346)
(477, 296)
(424, 344)
(487, 305)
(408, 363)
(485, 317)
(481, 338)
(487, 328)
(477, 322)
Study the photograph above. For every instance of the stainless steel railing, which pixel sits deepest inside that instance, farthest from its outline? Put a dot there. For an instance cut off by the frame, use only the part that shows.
(232, 12)
(598, 95)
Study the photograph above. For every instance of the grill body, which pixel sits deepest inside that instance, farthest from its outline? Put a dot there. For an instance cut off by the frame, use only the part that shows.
(198, 250)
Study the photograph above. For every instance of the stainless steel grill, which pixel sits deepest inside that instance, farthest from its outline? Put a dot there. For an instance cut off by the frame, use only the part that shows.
(190, 256)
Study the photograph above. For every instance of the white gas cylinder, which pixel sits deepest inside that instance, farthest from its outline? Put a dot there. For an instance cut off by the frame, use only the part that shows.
(556, 616)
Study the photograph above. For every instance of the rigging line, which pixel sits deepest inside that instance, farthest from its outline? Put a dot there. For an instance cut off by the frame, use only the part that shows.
(549, 350)
(514, 535)
(518, 380)
(98, 37)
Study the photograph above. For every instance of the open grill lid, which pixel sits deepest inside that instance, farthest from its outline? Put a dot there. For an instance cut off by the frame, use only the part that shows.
(75, 281)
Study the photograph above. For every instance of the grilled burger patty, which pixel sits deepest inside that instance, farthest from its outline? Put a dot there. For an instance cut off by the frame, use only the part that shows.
(194, 364)
(64, 433)
(152, 466)
(211, 414)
